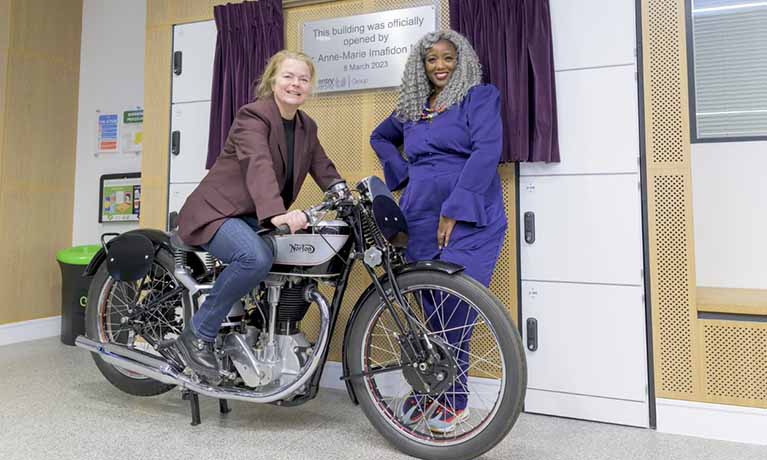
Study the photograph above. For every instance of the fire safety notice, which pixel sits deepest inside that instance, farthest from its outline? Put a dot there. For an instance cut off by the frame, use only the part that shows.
(365, 51)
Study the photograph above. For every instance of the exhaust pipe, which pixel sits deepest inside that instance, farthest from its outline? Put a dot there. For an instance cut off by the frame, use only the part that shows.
(157, 369)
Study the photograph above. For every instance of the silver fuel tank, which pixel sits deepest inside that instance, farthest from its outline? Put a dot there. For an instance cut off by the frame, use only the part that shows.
(313, 246)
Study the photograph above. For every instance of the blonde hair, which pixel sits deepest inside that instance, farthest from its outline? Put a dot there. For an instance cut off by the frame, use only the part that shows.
(263, 85)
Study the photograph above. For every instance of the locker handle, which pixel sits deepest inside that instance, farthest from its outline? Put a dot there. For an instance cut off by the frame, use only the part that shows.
(175, 142)
(532, 334)
(529, 227)
(177, 61)
(172, 220)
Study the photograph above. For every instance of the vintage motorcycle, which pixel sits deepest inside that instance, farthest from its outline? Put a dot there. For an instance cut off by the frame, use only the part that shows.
(397, 345)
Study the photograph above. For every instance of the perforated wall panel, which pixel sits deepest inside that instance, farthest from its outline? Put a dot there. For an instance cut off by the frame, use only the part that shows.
(735, 360)
(669, 200)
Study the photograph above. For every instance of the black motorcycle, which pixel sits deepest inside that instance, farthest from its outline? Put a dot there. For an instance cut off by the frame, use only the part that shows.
(420, 340)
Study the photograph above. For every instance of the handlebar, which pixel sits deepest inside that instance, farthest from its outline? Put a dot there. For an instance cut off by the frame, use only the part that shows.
(337, 192)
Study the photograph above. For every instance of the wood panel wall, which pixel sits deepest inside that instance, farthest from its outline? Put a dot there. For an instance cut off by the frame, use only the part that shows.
(705, 360)
(40, 66)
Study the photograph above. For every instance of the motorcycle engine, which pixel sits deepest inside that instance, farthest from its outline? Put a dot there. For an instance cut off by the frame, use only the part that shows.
(276, 361)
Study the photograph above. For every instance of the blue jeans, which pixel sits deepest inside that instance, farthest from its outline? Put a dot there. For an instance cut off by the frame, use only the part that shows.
(249, 259)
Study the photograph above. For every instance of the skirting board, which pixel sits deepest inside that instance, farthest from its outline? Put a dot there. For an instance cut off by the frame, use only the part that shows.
(582, 407)
(30, 330)
(712, 421)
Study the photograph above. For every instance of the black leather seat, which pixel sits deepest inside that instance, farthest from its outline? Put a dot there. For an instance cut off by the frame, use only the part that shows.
(176, 243)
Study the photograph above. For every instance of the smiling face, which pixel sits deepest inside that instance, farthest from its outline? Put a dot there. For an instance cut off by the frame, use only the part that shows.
(440, 63)
(292, 83)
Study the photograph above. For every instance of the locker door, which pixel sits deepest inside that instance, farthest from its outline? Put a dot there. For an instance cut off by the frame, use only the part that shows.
(592, 33)
(590, 360)
(196, 43)
(598, 130)
(587, 229)
(177, 195)
(189, 141)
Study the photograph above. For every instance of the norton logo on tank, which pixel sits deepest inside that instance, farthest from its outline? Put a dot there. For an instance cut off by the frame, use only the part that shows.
(301, 247)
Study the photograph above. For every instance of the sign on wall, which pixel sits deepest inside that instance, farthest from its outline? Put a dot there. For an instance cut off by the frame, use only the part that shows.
(365, 51)
(120, 197)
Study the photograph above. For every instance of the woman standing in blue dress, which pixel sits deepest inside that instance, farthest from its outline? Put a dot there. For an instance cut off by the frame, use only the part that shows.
(450, 126)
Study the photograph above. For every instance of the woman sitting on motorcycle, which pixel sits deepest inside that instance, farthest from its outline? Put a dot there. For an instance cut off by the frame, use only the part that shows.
(270, 148)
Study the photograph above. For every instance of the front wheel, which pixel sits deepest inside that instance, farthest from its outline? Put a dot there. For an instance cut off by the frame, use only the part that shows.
(461, 403)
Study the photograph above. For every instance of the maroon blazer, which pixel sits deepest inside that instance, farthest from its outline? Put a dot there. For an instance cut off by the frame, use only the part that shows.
(250, 172)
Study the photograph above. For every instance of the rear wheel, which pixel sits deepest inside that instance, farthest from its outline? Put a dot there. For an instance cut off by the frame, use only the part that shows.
(117, 312)
(477, 382)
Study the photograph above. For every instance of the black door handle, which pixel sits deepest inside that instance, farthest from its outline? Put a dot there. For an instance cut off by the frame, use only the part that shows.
(175, 142)
(529, 227)
(532, 334)
(177, 63)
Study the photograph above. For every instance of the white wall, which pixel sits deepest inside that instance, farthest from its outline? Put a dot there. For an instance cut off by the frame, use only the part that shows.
(111, 79)
(730, 214)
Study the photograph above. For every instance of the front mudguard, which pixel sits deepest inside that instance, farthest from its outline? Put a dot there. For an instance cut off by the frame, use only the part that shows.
(424, 265)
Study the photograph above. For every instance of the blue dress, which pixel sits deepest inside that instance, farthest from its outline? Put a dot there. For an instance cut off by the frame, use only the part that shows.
(451, 171)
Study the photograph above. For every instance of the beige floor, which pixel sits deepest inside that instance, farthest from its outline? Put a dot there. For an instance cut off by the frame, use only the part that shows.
(56, 405)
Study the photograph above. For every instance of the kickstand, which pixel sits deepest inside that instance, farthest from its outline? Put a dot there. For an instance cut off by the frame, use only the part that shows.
(194, 402)
(223, 406)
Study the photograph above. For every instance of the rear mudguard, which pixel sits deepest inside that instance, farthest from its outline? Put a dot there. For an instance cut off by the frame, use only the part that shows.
(425, 265)
(157, 237)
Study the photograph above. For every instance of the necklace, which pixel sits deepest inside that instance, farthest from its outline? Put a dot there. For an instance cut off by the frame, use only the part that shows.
(429, 114)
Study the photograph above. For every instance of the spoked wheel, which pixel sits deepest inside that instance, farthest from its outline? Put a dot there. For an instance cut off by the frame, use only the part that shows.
(462, 401)
(118, 312)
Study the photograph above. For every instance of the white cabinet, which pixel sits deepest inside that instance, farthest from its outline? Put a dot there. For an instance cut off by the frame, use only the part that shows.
(588, 342)
(189, 128)
(587, 229)
(177, 195)
(195, 43)
(582, 274)
(598, 123)
(593, 33)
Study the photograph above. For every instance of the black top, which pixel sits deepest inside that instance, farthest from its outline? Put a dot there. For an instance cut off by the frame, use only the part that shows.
(287, 190)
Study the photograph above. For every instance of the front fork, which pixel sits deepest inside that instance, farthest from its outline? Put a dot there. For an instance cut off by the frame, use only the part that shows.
(417, 346)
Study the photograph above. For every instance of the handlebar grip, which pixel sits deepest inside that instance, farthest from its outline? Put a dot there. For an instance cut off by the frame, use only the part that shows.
(283, 229)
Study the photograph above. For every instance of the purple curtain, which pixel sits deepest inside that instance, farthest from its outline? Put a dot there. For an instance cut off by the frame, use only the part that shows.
(513, 41)
(249, 34)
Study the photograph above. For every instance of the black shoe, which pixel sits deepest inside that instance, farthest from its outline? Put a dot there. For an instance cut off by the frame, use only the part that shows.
(198, 354)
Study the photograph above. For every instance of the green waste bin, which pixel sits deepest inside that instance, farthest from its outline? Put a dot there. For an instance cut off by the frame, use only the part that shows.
(74, 289)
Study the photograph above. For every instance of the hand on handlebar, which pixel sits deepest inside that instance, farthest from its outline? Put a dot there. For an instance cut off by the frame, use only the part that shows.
(296, 220)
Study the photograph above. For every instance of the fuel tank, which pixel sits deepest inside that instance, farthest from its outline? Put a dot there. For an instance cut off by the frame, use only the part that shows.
(313, 246)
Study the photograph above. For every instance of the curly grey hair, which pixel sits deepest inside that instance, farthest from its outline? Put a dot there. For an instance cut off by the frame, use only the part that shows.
(416, 87)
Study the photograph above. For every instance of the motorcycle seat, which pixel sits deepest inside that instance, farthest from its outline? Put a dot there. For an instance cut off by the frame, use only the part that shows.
(177, 243)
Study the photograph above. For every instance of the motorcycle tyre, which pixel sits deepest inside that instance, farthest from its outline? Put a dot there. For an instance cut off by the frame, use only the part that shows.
(136, 387)
(511, 346)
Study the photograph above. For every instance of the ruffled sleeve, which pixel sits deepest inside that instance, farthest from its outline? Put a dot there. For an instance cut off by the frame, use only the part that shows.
(386, 140)
(467, 200)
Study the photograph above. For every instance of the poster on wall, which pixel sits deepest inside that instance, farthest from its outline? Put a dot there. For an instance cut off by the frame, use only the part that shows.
(120, 197)
(365, 51)
(107, 134)
(132, 130)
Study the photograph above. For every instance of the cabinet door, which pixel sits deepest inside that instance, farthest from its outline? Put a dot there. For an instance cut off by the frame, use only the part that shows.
(177, 195)
(590, 361)
(592, 33)
(587, 229)
(590, 339)
(196, 43)
(598, 123)
(189, 134)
